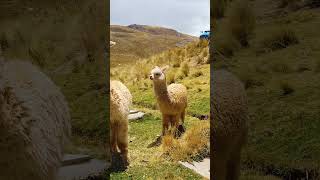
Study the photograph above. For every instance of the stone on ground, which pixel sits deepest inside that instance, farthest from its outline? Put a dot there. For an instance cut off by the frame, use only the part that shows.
(202, 168)
(135, 115)
(80, 167)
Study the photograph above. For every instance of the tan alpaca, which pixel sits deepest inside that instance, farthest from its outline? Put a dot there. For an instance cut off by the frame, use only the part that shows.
(228, 128)
(120, 101)
(172, 99)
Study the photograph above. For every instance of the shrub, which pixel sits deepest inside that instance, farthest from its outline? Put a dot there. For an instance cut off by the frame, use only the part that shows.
(286, 88)
(205, 52)
(250, 81)
(303, 67)
(76, 66)
(180, 75)
(285, 3)
(193, 145)
(171, 77)
(219, 8)
(241, 21)
(185, 69)
(198, 59)
(279, 38)
(197, 74)
(225, 45)
(281, 67)
(176, 62)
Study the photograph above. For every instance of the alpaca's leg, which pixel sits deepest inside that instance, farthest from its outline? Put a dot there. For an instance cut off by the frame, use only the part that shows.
(165, 123)
(233, 171)
(182, 116)
(123, 141)
(113, 138)
(175, 125)
(219, 166)
(220, 156)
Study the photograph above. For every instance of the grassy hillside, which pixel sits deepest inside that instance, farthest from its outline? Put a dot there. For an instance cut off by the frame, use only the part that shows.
(280, 69)
(135, 42)
(188, 65)
(64, 38)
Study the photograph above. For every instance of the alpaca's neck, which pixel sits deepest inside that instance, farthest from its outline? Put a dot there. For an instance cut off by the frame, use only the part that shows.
(160, 89)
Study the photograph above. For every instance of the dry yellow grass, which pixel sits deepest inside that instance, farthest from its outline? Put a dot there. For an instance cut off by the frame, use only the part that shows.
(193, 145)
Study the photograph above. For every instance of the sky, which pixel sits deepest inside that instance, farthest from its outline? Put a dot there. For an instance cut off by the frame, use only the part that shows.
(186, 16)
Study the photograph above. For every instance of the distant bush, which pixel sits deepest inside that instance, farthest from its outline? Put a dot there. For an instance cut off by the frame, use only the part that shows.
(303, 67)
(225, 45)
(279, 38)
(205, 52)
(312, 3)
(286, 88)
(219, 8)
(241, 21)
(180, 75)
(185, 68)
(281, 67)
(197, 73)
(76, 66)
(285, 3)
(176, 62)
(171, 77)
(198, 59)
(250, 81)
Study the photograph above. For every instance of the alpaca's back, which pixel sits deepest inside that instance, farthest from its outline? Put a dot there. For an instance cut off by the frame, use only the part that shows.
(178, 99)
(34, 123)
(120, 101)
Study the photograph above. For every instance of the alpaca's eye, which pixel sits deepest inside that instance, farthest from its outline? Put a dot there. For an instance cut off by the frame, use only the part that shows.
(157, 74)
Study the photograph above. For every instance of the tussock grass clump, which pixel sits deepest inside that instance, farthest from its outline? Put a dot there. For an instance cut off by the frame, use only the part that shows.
(171, 77)
(225, 45)
(219, 8)
(241, 21)
(205, 53)
(176, 62)
(286, 88)
(197, 73)
(250, 81)
(193, 145)
(185, 69)
(286, 3)
(281, 67)
(279, 38)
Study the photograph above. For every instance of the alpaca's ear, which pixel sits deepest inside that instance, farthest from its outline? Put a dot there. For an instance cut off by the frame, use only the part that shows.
(164, 68)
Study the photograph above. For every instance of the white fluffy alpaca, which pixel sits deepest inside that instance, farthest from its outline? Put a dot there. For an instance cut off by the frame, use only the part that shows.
(34, 123)
(120, 101)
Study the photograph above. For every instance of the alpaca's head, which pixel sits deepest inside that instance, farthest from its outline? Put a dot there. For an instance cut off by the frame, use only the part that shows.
(158, 74)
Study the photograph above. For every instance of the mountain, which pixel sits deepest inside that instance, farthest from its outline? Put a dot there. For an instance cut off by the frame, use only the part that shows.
(135, 41)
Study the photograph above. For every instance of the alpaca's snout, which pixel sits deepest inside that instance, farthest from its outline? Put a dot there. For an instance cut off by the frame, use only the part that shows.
(151, 77)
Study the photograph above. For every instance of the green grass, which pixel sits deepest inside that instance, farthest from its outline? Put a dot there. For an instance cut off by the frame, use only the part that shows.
(283, 100)
(147, 163)
(152, 163)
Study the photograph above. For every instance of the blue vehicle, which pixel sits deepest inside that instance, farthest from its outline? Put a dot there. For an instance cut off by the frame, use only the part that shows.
(205, 35)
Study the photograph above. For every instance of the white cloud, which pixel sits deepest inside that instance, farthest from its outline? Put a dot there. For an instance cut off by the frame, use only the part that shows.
(187, 16)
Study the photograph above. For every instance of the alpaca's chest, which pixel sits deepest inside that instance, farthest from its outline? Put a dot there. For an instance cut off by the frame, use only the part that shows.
(170, 108)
